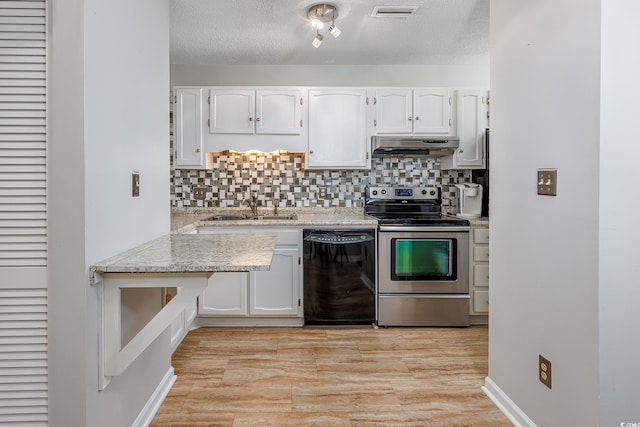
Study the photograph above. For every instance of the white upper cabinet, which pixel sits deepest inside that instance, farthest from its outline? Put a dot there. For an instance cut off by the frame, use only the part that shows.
(231, 111)
(431, 110)
(187, 129)
(394, 111)
(406, 111)
(278, 111)
(249, 111)
(472, 122)
(337, 129)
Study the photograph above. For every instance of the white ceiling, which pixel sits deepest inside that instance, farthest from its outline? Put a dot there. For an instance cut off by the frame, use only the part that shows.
(442, 32)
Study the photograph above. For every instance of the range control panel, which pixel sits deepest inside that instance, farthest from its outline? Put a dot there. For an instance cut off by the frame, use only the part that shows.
(403, 193)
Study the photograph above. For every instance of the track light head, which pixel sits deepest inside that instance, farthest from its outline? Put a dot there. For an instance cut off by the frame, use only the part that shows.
(318, 40)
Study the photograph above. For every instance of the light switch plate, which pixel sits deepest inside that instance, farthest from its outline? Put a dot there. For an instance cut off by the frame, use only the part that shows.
(135, 184)
(547, 182)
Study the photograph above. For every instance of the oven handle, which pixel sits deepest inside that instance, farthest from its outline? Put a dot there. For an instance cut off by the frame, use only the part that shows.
(384, 228)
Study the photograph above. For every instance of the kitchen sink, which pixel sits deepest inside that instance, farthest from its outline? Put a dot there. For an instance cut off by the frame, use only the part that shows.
(226, 218)
(274, 217)
(256, 217)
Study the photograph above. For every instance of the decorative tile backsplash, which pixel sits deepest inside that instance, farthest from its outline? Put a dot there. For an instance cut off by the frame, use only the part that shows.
(282, 180)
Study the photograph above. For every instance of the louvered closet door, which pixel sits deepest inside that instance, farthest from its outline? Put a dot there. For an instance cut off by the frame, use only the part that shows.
(23, 233)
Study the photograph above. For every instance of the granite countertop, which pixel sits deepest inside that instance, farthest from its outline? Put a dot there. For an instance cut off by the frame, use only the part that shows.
(180, 253)
(481, 222)
(187, 220)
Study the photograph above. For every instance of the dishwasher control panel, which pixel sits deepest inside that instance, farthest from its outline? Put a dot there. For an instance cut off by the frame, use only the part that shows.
(338, 239)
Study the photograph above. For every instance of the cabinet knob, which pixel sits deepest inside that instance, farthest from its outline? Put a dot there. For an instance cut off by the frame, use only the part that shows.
(310, 151)
(417, 118)
(250, 119)
(410, 118)
(257, 119)
(197, 150)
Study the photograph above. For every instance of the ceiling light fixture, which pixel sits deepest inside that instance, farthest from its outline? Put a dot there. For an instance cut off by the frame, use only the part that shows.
(318, 15)
(318, 40)
(335, 31)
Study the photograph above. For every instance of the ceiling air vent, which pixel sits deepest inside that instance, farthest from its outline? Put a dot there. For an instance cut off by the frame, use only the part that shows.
(393, 11)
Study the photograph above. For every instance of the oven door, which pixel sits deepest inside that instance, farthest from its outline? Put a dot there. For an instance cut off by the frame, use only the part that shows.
(423, 262)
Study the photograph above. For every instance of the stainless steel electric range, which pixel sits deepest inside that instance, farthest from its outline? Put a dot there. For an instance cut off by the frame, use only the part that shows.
(423, 258)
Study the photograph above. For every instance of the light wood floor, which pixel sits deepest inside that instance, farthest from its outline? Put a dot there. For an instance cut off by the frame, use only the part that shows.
(331, 377)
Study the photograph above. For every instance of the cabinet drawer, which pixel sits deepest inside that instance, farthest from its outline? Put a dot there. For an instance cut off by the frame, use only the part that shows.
(481, 253)
(481, 235)
(481, 301)
(481, 275)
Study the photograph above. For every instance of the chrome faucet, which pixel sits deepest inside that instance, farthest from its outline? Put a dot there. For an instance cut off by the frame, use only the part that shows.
(253, 204)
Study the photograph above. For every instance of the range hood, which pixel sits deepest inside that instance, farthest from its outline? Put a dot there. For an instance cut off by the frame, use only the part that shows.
(416, 146)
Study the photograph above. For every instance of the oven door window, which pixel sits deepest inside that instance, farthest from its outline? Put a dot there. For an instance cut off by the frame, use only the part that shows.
(423, 259)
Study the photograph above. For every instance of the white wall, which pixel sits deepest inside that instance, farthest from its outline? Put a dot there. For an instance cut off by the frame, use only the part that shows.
(113, 70)
(619, 207)
(330, 75)
(67, 273)
(545, 70)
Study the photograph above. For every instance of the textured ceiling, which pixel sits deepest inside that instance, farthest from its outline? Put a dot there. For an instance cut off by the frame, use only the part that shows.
(442, 32)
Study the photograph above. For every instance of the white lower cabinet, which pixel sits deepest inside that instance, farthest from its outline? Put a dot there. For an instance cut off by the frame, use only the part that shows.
(479, 273)
(178, 331)
(226, 295)
(182, 323)
(276, 292)
(251, 297)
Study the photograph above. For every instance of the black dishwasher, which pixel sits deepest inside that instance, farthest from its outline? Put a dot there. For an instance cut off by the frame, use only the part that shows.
(339, 276)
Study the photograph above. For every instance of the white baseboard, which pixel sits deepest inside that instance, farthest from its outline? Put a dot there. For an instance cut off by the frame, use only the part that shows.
(506, 405)
(153, 404)
(285, 322)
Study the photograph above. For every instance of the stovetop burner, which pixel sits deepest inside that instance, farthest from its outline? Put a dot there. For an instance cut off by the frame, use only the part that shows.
(408, 206)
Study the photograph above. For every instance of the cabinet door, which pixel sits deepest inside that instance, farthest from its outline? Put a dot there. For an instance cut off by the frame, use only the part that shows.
(431, 111)
(472, 122)
(278, 111)
(225, 295)
(178, 331)
(481, 301)
(337, 129)
(275, 292)
(481, 275)
(187, 129)
(190, 314)
(394, 112)
(231, 111)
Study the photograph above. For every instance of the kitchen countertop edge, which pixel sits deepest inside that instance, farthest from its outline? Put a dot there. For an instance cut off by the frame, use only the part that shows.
(189, 253)
(187, 220)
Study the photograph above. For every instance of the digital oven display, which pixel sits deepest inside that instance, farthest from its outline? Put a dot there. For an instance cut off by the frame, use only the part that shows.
(406, 192)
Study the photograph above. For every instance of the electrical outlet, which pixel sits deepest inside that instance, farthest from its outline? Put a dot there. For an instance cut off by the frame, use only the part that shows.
(323, 191)
(544, 371)
(547, 182)
(135, 184)
(199, 193)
